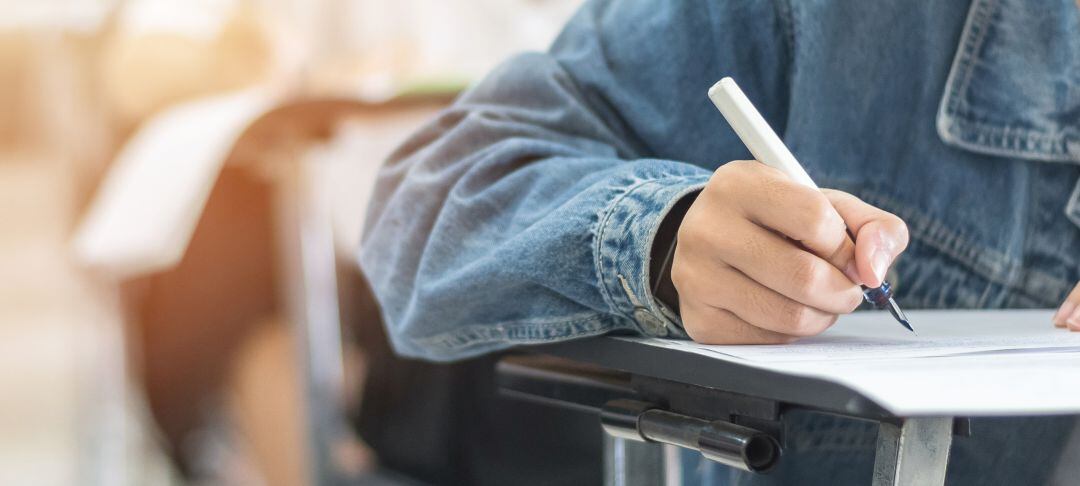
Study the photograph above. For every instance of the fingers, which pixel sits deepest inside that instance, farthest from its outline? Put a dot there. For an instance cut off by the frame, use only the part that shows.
(1068, 315)
(880, 236)
(799, 212)
(771, 261)
(762, 259)
(761, 306)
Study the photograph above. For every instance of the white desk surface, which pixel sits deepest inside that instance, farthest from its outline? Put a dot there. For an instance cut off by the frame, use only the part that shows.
(963, 363)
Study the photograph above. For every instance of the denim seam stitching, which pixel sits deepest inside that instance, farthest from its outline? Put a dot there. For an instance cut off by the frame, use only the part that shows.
(598, 246)
(952, 244)
(961, 68)
(954, 123)
(949, 242)
(651, 302)
(980, 21)
(459, 338)
(629, 292)
(609, 211)
(1019, 136)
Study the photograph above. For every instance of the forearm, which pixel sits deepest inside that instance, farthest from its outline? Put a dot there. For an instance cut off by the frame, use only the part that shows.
(502, 225)
(527, 212)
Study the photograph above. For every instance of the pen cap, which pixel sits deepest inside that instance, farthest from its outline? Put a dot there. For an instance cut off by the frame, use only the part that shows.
(755, 132)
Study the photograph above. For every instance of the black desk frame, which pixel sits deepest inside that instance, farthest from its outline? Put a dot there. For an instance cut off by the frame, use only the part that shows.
(603, 374)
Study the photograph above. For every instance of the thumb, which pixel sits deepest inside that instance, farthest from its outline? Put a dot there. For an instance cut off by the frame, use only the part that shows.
(880, 236)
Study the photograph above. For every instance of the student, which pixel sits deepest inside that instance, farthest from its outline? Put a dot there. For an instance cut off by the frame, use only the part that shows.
(535, 209)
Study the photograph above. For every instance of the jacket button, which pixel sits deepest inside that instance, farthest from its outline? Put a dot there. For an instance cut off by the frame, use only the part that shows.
(650, 323)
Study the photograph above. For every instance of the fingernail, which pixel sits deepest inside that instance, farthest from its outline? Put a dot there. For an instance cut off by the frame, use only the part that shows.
(879, 264)
(852, 272)
(1066, 308)
(1074, 320)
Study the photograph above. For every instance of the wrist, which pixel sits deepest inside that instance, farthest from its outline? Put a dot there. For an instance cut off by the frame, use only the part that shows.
(662, 253)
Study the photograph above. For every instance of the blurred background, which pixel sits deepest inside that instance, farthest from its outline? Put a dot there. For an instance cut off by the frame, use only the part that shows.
(182, 187)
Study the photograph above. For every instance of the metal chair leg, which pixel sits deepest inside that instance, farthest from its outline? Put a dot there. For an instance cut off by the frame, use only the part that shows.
(629, 462)
(915, 453)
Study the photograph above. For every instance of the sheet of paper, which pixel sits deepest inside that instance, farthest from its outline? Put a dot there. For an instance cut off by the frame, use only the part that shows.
(961, 362)
(940, 333)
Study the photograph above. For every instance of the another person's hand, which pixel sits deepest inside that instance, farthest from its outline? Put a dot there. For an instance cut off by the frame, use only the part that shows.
(762, 259)
(1068, 315)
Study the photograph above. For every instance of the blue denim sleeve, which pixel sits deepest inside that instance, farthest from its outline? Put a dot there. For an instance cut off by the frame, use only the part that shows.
(525, 213)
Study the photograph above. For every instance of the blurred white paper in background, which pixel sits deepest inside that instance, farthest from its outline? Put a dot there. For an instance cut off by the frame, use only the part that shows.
(386, 45)
(196, 19)
(155, 91)
(150, 201)
(348, 164)
(67, 15)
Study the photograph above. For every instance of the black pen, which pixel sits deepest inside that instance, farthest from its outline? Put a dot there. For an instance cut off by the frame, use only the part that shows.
(768, 149)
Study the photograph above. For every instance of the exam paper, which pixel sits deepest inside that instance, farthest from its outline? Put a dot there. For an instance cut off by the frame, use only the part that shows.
(1012, 362)
(876, 335)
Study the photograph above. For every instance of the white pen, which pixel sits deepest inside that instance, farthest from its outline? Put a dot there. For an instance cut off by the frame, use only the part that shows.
(768, 149)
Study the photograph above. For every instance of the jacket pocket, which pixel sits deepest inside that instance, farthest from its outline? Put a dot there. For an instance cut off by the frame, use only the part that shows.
(1014, 86)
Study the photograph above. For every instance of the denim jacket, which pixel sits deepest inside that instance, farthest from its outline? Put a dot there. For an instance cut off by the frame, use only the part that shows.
(525, 213)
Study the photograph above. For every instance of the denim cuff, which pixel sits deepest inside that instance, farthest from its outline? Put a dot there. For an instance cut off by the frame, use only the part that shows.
(625, 236)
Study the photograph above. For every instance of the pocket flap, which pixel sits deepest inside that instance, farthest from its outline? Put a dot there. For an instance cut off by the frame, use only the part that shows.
(1014, 86)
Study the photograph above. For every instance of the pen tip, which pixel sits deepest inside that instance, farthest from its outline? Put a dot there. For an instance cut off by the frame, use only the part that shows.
(898, 313)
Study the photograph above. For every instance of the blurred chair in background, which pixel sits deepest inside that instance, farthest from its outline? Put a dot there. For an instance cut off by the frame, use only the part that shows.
(178, 330)
(233, 288)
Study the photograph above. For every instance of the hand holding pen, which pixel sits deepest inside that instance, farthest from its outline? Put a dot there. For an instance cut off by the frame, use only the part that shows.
(764, 258)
